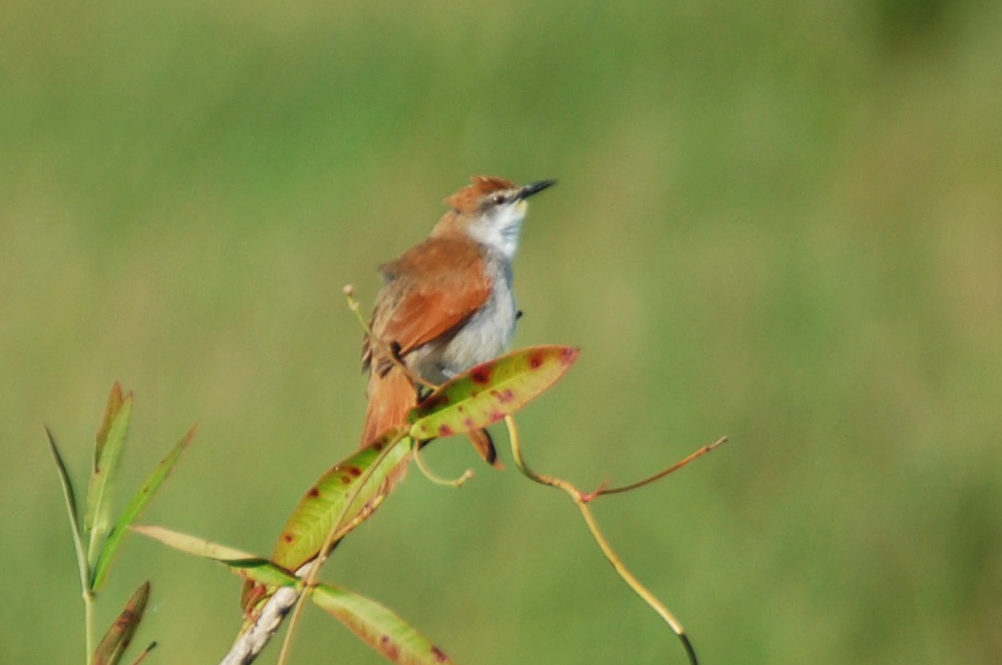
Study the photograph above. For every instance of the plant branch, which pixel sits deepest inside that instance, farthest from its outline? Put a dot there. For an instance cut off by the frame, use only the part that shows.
(581, 500)
(659, 475)
(313, 567)
(434, 477)
(256, 635)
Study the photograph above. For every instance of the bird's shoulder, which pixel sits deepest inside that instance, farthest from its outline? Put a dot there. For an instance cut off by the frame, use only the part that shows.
(439, 259)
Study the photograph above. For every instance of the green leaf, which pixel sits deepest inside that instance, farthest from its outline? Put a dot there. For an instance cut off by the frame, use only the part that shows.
(491, 391)
(107, 453)
(136, 506)
(263, 572)
(112, 646)
(335, 499)
(379, 627)
(249, 566)
(69, 497)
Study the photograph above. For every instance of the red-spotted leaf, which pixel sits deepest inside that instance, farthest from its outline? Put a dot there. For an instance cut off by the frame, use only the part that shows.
(379, 627)
(342, 498)
(109, 651)
(491, 391)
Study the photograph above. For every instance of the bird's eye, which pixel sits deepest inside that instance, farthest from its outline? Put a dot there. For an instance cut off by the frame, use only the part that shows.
(498, 199)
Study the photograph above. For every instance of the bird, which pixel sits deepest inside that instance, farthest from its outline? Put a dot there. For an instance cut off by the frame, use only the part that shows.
(447, 304)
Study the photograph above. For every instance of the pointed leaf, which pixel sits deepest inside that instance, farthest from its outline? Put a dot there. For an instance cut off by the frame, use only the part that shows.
(114, 405)
(136, 506)
(379, 627)
(71, 506)
(192, 544)
(248, 566)
(489, 392)
(109, 651)
(348, 492)
(107, 453)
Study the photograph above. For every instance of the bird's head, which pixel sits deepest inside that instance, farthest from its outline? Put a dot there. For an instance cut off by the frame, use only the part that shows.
(491, 211)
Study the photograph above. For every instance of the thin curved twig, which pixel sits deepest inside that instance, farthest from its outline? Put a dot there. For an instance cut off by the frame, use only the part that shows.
(660, 474)
(434, 477)
(581, 500)
(416, 379)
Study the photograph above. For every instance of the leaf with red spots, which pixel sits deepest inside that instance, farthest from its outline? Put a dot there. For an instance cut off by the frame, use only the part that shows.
(112, 646)
(136, 506)
(379, 627)
(489, 392)
(348, 492)
(107, 453)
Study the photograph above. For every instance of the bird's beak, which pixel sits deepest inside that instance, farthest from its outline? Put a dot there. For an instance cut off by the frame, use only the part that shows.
(534, 187)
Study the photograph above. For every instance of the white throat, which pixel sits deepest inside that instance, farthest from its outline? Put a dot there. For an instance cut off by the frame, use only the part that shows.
(500, 227)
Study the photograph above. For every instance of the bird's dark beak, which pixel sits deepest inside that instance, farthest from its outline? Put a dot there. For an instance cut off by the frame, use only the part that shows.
(534, 187)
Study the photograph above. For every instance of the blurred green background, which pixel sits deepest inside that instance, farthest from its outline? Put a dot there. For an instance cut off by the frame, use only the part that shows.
(778, 221)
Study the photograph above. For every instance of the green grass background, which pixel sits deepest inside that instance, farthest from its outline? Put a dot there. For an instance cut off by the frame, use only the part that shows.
(778, 221)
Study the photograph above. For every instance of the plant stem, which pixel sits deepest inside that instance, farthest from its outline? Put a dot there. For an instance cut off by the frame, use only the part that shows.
(88, 600)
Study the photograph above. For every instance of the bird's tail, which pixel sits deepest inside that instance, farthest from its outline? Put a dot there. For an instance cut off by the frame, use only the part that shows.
(391, 396)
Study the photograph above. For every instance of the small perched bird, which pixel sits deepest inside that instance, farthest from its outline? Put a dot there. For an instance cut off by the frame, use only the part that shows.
(447, 304)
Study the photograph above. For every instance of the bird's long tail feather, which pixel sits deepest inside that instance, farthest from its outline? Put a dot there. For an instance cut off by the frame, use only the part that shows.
(391, 396)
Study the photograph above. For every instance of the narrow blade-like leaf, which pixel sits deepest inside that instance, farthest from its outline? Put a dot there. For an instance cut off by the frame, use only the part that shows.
(107, 453)
(192, 544)
(335, 499)
(244, 564)
(379, 627)
(112, 646)
(136, 506)
(69, 497)
(489, 392)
